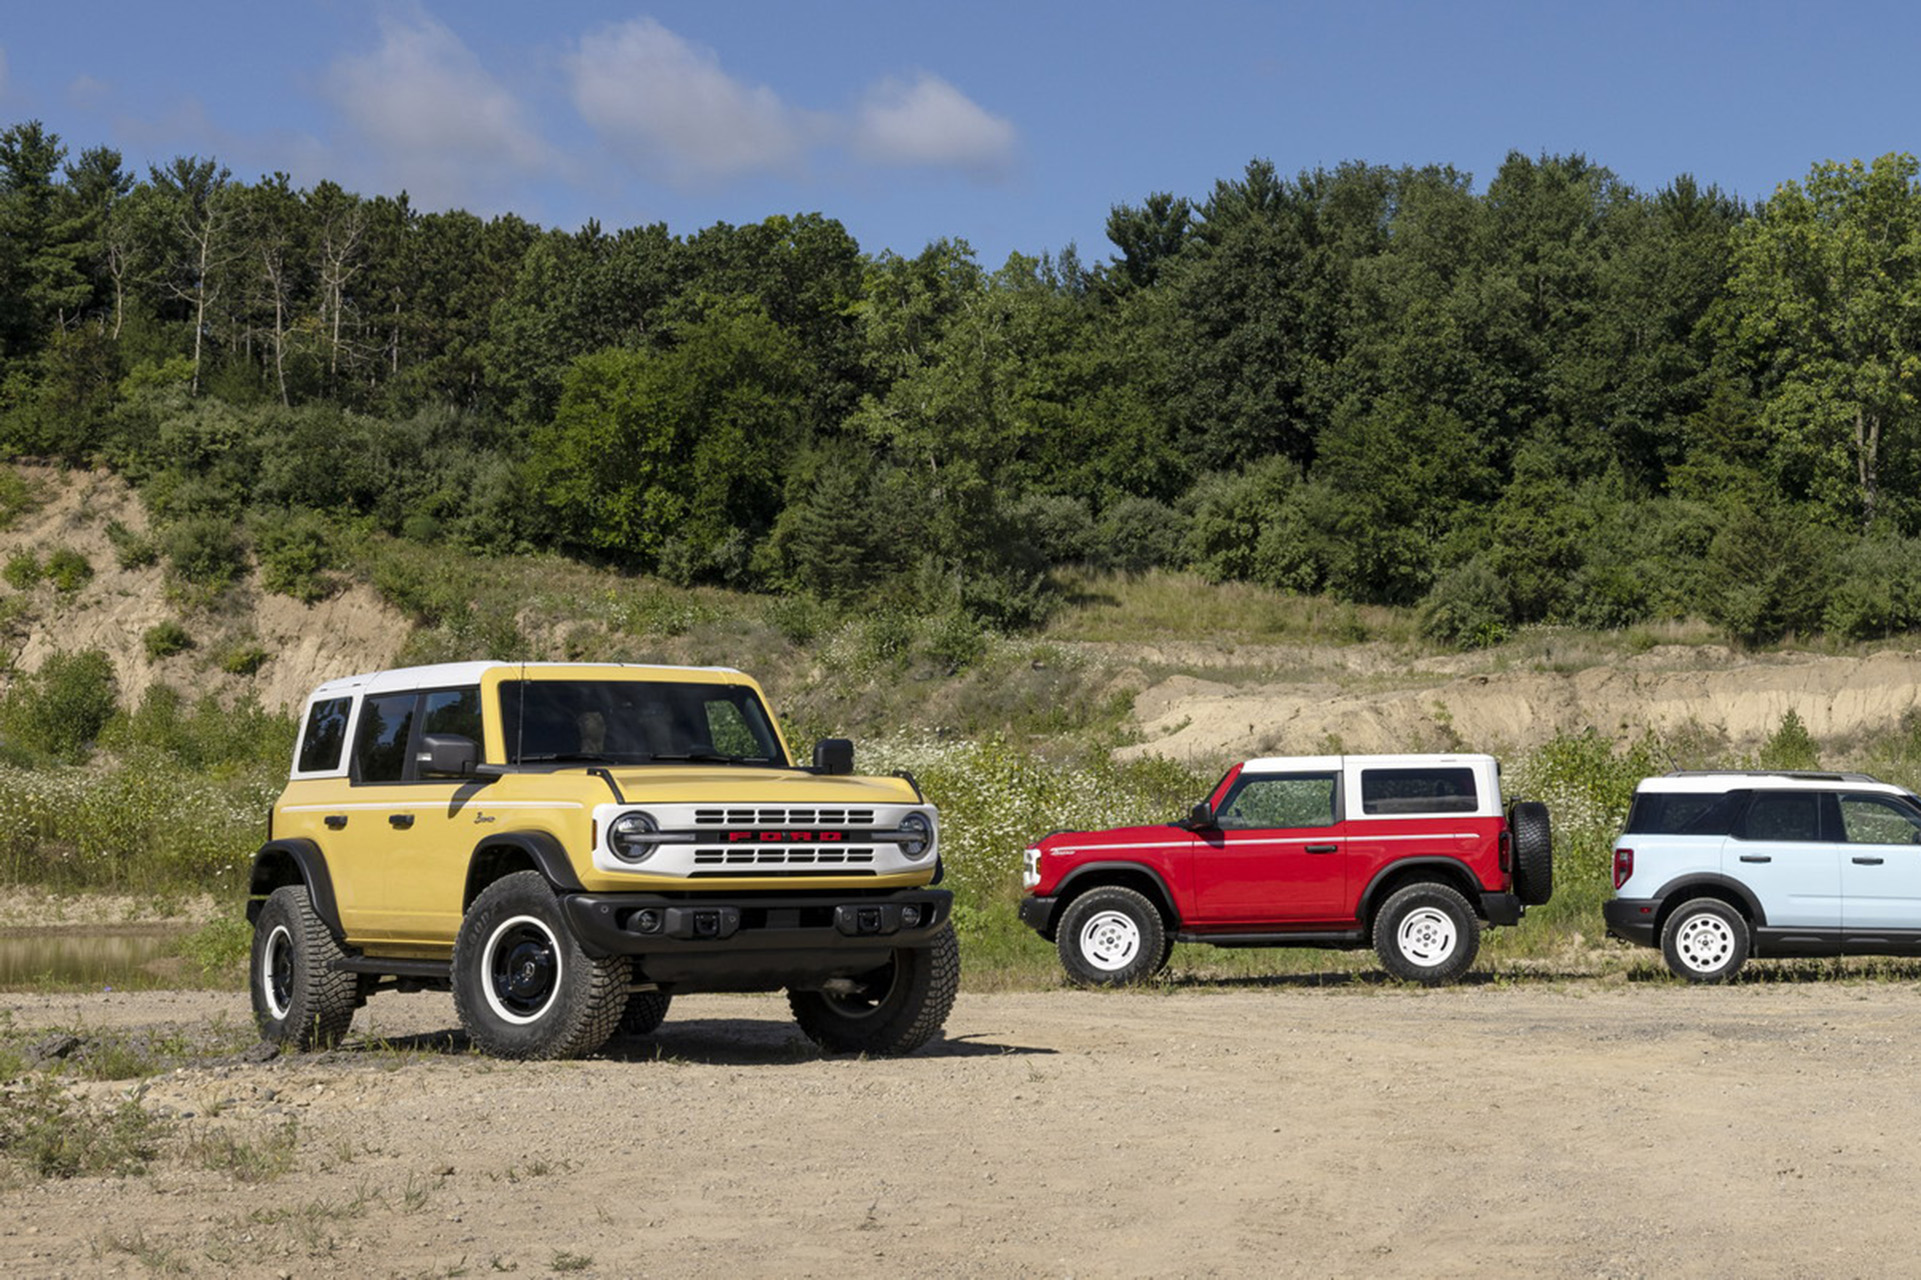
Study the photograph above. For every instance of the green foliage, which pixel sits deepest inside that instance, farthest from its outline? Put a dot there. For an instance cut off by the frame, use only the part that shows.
(241, 658)
(18, 496)
(59, 710)
(205, 552)
(1879, 589)
(1769, 573)
(1587, 782)
(131, 550)
(296, 553)
(1790, 746)
(164, 639)
(1136, 534)
(1470, 608)
(51, 1134)
(23, 570)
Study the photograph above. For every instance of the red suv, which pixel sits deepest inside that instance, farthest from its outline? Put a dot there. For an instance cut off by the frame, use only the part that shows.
(1411, 854)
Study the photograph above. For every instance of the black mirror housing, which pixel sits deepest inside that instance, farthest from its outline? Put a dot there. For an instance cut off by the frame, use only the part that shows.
(1201, 816)
(447, 755)
(834, 756)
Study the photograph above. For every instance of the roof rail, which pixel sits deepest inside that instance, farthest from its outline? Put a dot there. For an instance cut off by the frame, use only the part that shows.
(1800, 775)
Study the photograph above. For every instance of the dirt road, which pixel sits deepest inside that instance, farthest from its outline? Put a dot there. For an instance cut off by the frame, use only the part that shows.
(1579, 1128)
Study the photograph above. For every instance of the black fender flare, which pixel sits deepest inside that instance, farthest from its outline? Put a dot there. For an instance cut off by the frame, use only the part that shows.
(545, 851)
(1460, 876)
(1066, 890)
(278, 863)
(1680, 888)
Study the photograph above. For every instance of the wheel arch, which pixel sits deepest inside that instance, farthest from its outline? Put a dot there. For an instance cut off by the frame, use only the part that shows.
(1143, 880)
(1726, 888)
(280, 863)
(1451, 872)
(511, 851)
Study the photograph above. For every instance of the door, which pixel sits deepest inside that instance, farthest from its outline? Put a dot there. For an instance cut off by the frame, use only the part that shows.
(1880, 870)
(1778, 852)
(1275, 855)
(430, 837)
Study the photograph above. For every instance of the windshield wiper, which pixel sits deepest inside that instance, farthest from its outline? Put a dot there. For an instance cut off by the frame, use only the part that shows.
(706, 757)
(567, 757)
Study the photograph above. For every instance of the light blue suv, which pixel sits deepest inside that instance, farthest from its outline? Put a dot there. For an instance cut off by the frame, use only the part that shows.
(1716, 867)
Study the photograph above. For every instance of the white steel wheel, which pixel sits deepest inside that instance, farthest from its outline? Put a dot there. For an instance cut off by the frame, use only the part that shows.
(1704, 943)
(275, 980)
(1427, 936)
(524, 965)
(1110, 940)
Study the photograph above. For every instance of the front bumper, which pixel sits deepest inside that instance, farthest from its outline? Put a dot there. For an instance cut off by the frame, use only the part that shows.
(1632, 919)
(1037, 913)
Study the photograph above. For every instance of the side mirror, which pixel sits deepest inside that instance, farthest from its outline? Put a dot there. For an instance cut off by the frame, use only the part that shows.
(1201, 815)
(447, 755)
(834, 755)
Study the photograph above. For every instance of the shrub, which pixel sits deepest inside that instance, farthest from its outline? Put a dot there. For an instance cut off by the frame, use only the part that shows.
(1470, 608)
(295, 554)
(23, 571)
(131, 550)
(68, 570)
(1769, 573)
(164, 639)
(61, 708)
(1137, 534)
(205, 551)
(241, 658)
(1790, 746)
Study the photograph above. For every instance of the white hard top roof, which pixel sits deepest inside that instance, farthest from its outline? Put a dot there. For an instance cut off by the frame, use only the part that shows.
(445, 675)
(1712, 780)
(1303, 764)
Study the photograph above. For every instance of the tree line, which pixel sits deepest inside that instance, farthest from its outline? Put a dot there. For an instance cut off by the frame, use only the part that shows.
(1556, 399)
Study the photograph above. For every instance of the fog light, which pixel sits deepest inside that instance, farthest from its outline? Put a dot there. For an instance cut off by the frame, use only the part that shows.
(647, 921)
(909, 917)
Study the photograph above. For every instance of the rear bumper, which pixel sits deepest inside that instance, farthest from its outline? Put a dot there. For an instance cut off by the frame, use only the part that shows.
(1631, 919)
(1501, 908)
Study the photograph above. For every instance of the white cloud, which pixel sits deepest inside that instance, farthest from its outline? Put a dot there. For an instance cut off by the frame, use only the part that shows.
(666, 105)
(433, 119)
(930, 122)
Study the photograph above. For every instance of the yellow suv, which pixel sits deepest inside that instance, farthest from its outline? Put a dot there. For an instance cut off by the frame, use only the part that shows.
(566, 847)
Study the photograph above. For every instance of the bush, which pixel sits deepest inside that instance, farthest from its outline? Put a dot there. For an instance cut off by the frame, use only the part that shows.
(1790, 746)
(131, 550)
(68, 570)
(164, 639)
(1136, 534)
(205, 551)
(1879, 592)
(1230, 515)
(1470, 608)
(61, 708)
(295, 552)
(23, 571)
(241, 658)
(1769, 573)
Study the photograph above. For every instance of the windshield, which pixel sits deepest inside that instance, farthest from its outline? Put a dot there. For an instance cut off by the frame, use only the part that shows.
(635, 722)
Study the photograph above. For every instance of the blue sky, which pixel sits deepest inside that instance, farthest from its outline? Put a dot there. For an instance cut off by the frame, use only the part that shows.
(1014, 126)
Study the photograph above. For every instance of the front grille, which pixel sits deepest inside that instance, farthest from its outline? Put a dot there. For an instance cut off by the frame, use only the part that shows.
(762, 856)
(784, 817)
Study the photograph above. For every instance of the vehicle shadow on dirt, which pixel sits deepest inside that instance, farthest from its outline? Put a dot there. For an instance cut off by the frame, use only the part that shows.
(706, 1041)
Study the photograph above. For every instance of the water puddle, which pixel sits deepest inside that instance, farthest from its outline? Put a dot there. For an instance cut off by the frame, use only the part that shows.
(122, 957)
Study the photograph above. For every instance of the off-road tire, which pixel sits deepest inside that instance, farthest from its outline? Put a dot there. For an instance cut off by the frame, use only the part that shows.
(1111, 937)
(1533, 838)
(523, 987)
(896, 1009)
(299, 1000)
(1705, 940)
(644, 1013)
(1426, 933)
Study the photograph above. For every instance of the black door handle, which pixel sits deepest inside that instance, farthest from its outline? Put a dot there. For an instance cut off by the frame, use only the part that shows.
(1323, 848)
(401, 820)
(1869, 862)
(1756, 857)
(335, 821)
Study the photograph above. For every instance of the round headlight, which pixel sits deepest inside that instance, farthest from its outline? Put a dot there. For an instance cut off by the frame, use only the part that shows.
(629, 837)
(918, 835)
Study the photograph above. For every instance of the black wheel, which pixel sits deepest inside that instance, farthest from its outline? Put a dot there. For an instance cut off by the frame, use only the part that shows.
(645, 1011)
(891, 1010)
(1427, 933)
(1533, 852)
(1110, 937)
(522, 985)
(298, 999)
(1705, 940)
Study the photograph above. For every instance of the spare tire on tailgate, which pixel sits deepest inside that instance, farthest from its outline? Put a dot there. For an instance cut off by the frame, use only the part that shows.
(1527, 822)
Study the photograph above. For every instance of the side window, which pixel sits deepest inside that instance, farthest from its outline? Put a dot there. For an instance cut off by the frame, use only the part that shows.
(1395, 791)
(1683, 813)
(385, 723)
(1783, 815)
(1876, 820)
(326, 734)
(1300, 800)
(453, 711)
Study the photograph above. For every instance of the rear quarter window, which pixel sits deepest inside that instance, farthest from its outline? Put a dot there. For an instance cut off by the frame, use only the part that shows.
(1395, 792)
(1682, 813)
(326, 735)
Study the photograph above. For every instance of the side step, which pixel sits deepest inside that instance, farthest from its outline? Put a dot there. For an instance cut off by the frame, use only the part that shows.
(435, 970)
